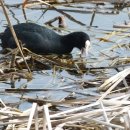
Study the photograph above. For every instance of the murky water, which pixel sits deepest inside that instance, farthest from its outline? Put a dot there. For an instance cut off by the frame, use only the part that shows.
(102, 23)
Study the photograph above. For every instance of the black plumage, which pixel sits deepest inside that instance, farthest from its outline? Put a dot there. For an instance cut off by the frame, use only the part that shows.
(42, 40)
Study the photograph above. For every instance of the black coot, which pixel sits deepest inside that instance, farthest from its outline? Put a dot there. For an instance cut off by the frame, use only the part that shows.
(42, 40)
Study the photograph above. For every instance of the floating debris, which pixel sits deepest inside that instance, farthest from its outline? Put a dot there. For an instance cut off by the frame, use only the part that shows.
(125, 25)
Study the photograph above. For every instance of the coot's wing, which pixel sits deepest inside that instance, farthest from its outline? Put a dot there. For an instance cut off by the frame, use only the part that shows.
(34, 42)
(35, 37)
(31, 40)
(43, 42)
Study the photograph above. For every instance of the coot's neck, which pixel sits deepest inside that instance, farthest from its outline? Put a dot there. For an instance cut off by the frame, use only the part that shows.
(71, 40)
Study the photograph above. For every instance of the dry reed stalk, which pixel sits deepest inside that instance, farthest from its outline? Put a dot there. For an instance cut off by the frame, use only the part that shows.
(104, 123)
(15, 122)
(44, 122)
(80, 116)
(14, 34)
(26, 4)
(63, 13)
(112, 34)
(33, 90)
(3, 103)
(7, 112)
(93, 15)
(113, 81)
(115, 102)
(60, 126)
(74, 110)
(105, 115)
(90, 115)
(33, 114)
(47, 117)
(125, 97)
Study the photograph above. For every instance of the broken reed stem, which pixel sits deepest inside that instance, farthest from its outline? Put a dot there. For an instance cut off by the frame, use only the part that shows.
(14, 34)
(32, 115)
(47, 117)
(24, 13)
(93, 16)
(104, 123)
(105, 115)
(62, 12)
(112, 82)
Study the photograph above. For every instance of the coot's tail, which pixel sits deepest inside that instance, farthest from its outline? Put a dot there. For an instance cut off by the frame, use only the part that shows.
(1, 34)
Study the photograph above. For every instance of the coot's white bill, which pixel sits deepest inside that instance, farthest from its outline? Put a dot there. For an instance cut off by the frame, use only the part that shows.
(86, 49)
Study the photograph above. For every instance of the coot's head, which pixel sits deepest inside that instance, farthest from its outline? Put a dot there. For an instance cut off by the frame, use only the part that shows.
(79, 40)
(83, 42)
